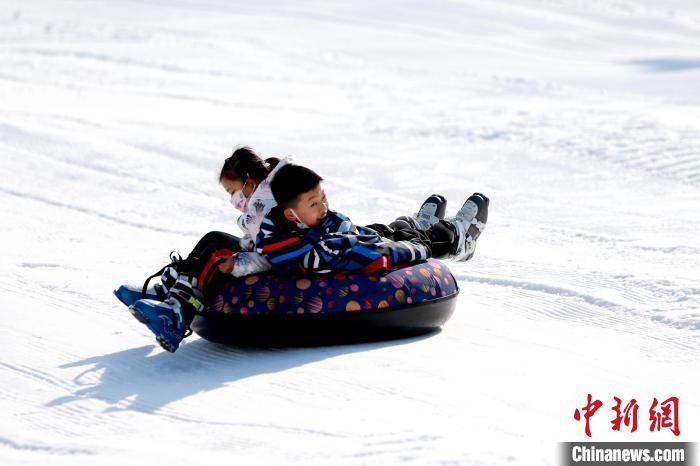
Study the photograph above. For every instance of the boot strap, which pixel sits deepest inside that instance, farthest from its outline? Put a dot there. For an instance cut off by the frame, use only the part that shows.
(187, 295)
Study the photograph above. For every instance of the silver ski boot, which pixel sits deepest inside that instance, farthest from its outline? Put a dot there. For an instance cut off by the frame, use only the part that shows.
(431, 212)
(468, 225)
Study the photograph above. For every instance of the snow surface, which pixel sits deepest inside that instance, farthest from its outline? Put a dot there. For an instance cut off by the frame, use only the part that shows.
(581, 121)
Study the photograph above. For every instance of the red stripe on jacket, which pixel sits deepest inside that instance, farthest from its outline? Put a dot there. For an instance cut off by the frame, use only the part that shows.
(281, 244)
(380, 263)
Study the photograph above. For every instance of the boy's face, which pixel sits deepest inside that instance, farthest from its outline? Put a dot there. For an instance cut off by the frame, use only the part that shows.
(311, 207)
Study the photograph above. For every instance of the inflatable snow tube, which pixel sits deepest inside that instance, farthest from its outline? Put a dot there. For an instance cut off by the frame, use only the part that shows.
(278, 310)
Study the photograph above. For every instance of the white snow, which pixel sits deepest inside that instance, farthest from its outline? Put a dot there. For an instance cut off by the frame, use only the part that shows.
(581, 121)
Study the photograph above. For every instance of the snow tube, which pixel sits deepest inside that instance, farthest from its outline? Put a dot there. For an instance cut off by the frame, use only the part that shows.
(272, 310)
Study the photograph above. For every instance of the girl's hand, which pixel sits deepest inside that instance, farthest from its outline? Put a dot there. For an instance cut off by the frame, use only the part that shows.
(227, 265)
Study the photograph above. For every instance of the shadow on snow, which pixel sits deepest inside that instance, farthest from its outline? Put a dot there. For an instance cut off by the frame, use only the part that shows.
(136, 380)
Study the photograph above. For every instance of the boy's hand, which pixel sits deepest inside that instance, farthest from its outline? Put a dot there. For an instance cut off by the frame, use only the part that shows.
(227, 265)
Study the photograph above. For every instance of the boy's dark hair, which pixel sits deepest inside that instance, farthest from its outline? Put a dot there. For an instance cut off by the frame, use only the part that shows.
(290, 182)
(245, 164)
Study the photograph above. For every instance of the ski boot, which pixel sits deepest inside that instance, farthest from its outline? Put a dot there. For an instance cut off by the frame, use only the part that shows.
(129, 294)
(468, 225)
(432, 211)
(169, 320)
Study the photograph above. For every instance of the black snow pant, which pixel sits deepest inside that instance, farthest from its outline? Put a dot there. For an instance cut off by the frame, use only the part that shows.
(202, 262)
(439, 238)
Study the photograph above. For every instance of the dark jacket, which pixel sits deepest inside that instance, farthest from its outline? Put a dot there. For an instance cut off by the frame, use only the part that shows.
(335, 245)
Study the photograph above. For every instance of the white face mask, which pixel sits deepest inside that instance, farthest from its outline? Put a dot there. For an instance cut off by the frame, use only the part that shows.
(299, 223)
(238, 200)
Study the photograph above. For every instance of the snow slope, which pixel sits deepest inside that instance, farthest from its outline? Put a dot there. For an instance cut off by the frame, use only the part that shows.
(581, 121)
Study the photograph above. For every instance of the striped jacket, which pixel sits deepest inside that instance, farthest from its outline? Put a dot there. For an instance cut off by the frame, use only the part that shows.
(335, 245)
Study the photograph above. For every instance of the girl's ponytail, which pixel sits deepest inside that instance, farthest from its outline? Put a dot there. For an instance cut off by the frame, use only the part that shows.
(271, 163)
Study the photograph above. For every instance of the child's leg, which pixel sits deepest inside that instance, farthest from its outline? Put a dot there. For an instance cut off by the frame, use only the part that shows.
(203, 258)
(385, 231)
(442, 239)
(439, 238)
(170, 318)
(452, 238)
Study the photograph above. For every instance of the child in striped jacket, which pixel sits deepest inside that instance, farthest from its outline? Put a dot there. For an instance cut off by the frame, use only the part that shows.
(301, 234)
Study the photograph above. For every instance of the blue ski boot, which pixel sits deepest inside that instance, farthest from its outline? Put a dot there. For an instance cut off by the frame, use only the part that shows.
(169, 320)
(129, 294)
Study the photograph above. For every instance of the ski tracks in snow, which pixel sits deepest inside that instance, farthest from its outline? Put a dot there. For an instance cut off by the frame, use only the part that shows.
(112, 130)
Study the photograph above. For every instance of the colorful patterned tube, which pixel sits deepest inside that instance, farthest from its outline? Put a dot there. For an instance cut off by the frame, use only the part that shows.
(271, 309)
